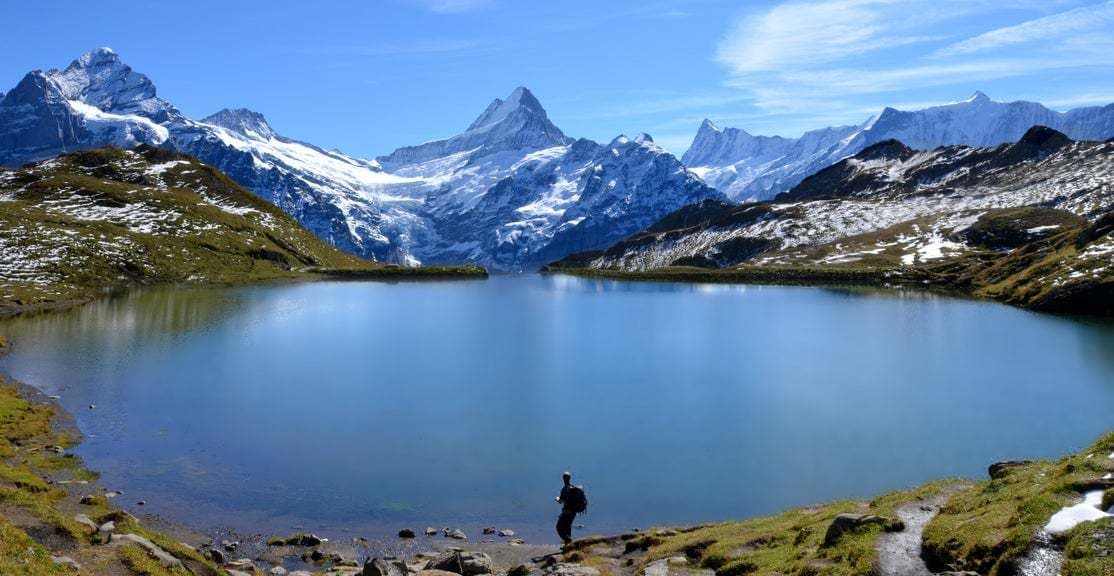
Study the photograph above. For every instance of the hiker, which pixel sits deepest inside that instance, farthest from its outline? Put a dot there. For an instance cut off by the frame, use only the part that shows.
(573, 501)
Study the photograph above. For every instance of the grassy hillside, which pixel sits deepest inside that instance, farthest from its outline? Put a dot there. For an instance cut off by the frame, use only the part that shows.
(1037, 258)
(985, 527)
(81, 224)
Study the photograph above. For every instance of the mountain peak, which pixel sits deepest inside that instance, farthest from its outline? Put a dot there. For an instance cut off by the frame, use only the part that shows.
(643, 138)
(241, 121)
(521, 99)
(979, 96)
(99, 78)
(708, 125)
(97, 56)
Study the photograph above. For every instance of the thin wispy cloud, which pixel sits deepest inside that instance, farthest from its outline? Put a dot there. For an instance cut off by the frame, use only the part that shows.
(819, 57)
(452, 6)
(417, 47)
(1087, 18)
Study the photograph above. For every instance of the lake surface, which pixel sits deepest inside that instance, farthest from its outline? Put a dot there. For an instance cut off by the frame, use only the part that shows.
(360, 408)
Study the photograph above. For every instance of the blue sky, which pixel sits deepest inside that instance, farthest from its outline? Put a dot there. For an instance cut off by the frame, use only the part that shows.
(369, 76)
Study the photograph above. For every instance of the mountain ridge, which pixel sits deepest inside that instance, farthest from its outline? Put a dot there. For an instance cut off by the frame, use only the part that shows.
(407, 207)
(747, 167)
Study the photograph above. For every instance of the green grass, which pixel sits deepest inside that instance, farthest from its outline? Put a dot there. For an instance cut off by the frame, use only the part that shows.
(987, 528)
(783, 544)
(22, 556)
(1089, 550)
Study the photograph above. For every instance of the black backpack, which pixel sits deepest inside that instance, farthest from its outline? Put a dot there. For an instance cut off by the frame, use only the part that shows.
(578, 500)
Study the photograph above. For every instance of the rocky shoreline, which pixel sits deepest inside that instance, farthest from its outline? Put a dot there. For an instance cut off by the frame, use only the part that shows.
(995, 527)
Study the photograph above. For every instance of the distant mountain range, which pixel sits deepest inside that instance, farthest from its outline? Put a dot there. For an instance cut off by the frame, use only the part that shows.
(746, 167)
(1029, 222)
(511, 191)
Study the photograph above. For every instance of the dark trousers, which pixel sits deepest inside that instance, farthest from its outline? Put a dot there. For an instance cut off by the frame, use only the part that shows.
(564, 525)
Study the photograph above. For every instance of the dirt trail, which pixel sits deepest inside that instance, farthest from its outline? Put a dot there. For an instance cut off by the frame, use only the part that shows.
(899, 553)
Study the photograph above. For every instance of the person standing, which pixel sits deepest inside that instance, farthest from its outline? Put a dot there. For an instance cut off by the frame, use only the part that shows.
(573, 501)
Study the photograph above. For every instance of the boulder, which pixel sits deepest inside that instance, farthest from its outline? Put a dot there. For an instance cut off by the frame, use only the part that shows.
(230, 545)
(216, 555)
(66, 561)
(1000, 469)
(277, 571)
(406, 533)
(241, 564)
(430, 531)
(463, 563)
(164, 557)
(489, 531)
(381, 567)
(310, 540)
(563, 569)
(506, 533)
(87, 522)
(107, 528)
(456, 534)
(850, 522)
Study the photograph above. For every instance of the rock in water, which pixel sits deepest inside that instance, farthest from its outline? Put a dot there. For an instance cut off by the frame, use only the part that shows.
(406, 533)
(506, 533)
(430, 531)
(850, 522)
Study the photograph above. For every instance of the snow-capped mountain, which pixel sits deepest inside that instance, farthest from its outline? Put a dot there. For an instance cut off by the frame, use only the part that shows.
(932, 194)
(747, 167)
(511, 191)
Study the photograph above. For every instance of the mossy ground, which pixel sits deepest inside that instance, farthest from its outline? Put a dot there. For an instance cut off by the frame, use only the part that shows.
(987, 528)
(37, 513)
(782, 544)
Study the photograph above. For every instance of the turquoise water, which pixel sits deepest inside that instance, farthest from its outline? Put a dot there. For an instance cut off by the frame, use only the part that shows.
(361, 408)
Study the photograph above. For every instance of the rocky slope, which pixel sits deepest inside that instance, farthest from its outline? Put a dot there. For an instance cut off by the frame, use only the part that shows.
(511, 192)
(747, 167)
(1029, 223)
(76, 225)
